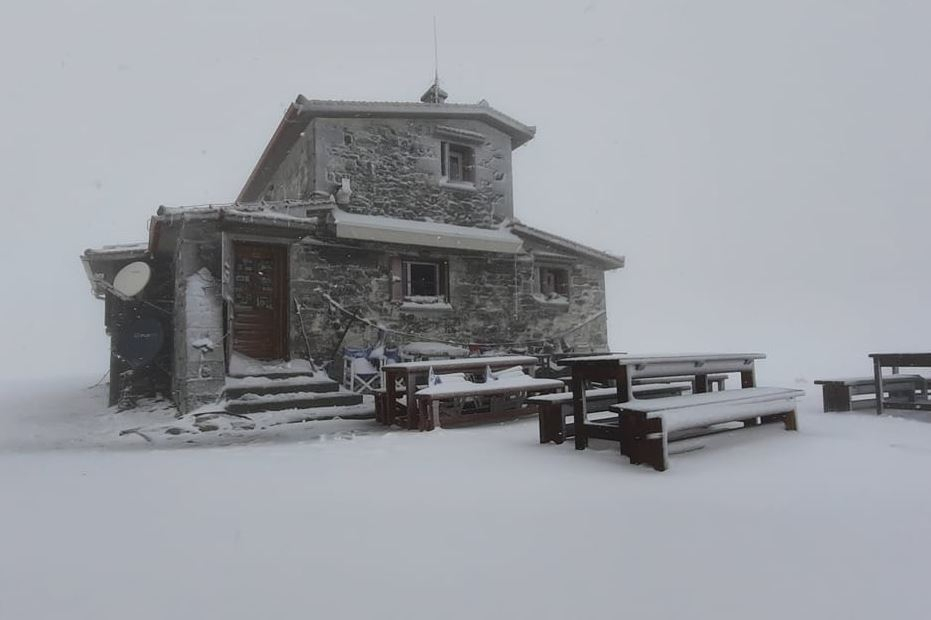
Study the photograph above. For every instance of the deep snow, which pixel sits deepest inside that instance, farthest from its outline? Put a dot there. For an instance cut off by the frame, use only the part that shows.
(344, 520)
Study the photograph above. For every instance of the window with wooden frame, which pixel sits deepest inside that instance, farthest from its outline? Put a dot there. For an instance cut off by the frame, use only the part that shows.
(419, 281)
(457, 163)
(553, 283)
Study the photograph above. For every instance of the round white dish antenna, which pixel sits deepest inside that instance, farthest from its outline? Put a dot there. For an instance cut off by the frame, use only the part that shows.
(131, 279)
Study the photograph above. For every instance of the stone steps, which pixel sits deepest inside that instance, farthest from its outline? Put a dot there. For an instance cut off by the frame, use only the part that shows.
(237, 387)
(278, 391)
(291, 400)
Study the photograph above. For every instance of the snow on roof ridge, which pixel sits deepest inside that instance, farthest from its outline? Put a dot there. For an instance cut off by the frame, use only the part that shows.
(120, 248)
(302, 103)
(258, 205)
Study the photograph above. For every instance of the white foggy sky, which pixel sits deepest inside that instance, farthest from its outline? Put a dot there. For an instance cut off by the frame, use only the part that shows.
(764, 166)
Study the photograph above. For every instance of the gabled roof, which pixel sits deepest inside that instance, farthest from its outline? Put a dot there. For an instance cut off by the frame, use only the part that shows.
(303, 110)
(608, 261)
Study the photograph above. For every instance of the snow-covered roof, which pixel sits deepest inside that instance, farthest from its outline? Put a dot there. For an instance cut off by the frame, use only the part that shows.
(303, 110)
(610, 261)
(282, 212)
(118, 251)
(519, 132)
(429, 234)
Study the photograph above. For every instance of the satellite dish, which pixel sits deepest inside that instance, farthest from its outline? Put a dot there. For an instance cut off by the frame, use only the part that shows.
(140, 342)
(131, 279)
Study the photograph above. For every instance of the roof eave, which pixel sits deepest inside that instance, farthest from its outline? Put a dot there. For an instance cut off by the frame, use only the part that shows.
(609, 261)
(313, 108)
(283, 138)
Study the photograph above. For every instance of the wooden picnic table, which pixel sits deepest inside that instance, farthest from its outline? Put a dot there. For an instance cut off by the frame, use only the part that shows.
(624, 368)
(896, 361)
(412, 373)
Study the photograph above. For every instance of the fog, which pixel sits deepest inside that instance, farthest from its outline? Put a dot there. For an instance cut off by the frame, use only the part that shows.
(764, 167)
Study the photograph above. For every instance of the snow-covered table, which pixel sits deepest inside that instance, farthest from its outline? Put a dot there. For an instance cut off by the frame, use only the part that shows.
(896, 361)
(624, 368)
(514, 390)
(410, 373)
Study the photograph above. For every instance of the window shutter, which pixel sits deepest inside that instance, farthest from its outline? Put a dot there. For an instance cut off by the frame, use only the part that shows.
(396, 273)
(562, 282)
(443, 284)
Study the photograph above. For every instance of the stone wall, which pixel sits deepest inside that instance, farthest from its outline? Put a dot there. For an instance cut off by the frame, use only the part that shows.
(395, 170)
(294, 178)
(491, 298)
(198, 371)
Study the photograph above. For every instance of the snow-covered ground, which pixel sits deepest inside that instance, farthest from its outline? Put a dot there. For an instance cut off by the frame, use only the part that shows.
(342, 519)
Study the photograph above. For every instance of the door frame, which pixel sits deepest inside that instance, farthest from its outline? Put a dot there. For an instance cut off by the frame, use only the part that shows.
(230, 241)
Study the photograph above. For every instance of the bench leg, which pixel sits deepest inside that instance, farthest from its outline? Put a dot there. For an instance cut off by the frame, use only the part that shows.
(552, 424)
(652, 450)
(791, 421)
(835, 397)
(644, 442)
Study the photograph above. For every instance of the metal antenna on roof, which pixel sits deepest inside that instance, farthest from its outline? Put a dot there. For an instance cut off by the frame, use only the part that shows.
(436, 65)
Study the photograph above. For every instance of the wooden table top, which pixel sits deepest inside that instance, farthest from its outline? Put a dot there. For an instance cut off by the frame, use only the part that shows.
(903, 359)
(465, 363)
(659, 358)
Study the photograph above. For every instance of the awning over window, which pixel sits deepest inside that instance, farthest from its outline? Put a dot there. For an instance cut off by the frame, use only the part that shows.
(427, 234)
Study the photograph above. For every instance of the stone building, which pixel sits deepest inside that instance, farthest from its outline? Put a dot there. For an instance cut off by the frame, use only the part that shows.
(361, 222)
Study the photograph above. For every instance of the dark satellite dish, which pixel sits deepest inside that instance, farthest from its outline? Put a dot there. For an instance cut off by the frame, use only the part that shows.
(140, 342)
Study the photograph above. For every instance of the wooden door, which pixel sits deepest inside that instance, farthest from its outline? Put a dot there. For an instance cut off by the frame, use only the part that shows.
(260, 300)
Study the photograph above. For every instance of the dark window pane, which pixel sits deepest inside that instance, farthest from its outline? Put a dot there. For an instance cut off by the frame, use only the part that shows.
(455, 167)
(423, 280)
(554, 281)
(457, 164)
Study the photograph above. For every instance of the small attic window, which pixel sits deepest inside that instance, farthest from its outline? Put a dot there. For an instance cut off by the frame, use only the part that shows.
(457, 163)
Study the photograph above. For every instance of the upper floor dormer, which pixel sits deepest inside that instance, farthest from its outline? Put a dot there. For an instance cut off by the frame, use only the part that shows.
(427, 160)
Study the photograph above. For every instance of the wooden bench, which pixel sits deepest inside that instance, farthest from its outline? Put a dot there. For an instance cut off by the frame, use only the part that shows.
(838, 394)
(508, 399)
(717, 380)
(645, 428)
(556, 408)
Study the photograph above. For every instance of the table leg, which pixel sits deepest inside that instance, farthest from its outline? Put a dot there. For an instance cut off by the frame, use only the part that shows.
(391, 399)
(878, 379)
(578, 411)
(411, 385)
(624, 384)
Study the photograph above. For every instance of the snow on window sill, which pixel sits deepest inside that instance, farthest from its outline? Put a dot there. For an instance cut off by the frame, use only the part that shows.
(425, 303)
(459, 185)
(552, 300)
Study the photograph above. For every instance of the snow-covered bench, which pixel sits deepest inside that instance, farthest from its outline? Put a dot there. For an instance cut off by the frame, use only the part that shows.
(506, 393)
(645, 427)
(838, 394)
(717, 380)
(556, 408)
